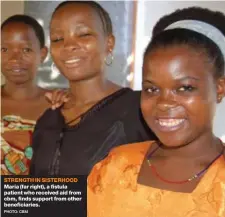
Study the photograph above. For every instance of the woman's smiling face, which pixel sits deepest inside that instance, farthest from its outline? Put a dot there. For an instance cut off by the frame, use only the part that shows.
(21, 53)
(179, 94)
(79, 44)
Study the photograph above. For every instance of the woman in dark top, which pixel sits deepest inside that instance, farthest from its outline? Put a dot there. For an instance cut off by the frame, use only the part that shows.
(100, 115)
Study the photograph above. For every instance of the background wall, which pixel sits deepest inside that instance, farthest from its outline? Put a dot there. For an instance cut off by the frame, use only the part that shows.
(9, 8)
(148, 14)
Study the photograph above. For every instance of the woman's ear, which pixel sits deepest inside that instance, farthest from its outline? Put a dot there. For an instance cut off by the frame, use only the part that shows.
(44, 53)
(220, 89)
(110, 43)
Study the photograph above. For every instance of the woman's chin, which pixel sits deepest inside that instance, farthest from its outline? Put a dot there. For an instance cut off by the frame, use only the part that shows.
(171, 143)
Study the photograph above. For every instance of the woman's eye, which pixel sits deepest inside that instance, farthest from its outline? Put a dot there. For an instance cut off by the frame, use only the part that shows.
(186, 88)
(57, 40)
(27, 50)
(4, 50)
(151, 90)
(85, 34)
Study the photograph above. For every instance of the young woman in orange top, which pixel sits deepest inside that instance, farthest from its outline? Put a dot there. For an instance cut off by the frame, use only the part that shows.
(182, 174)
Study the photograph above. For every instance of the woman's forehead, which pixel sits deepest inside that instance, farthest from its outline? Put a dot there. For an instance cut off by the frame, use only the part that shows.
(70, 12)
(177, 61)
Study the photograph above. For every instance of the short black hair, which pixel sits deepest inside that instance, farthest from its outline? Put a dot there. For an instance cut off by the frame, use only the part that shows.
(160, 37)
(19, 18)
(103, 14)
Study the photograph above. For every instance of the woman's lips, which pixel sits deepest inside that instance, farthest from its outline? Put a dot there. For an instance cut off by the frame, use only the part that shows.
(169, 124)
(17, 71)
(73, 62)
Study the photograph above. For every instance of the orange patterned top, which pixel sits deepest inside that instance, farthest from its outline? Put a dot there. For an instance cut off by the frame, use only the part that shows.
(113, 190)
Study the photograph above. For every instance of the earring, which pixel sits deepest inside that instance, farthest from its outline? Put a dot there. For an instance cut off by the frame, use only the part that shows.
(109, 59)
(219, 98)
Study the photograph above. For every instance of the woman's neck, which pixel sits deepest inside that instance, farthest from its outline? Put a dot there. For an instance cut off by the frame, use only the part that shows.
(205, 145)
(91, 91)
(20, 91)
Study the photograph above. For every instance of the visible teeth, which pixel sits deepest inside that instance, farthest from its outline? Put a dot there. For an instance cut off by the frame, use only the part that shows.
(170, 122)
(72, 61)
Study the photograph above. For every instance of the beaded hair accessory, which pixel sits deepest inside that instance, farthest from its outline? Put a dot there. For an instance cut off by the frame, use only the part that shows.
(203, 28)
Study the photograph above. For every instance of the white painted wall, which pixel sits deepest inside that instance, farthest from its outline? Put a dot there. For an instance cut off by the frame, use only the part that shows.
(147, 15)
